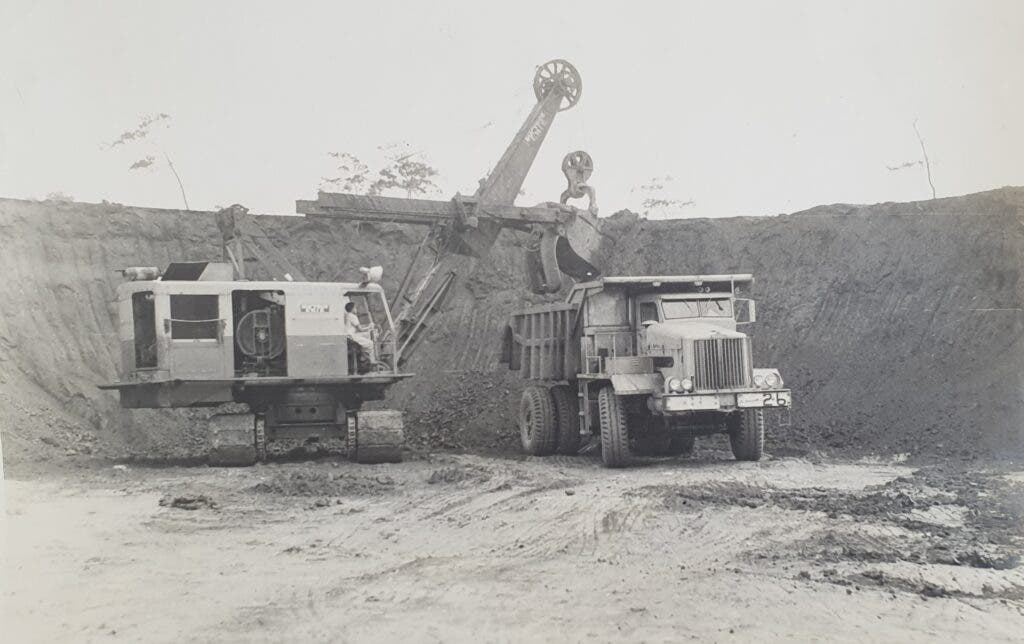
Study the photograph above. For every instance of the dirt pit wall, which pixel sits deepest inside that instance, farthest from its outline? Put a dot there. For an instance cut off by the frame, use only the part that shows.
(898, 326)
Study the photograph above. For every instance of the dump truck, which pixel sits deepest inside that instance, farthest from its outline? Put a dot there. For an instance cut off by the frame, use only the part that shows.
(644, 363)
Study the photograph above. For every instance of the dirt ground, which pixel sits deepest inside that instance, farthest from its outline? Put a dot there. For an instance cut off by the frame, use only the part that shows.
(474, 548)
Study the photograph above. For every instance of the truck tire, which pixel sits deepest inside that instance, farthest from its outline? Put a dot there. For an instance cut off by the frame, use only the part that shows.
(567, 419)
(746, 434)
(538, 430)
(614, 428)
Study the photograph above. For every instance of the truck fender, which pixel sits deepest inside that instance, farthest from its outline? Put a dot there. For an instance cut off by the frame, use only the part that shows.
(627, 384)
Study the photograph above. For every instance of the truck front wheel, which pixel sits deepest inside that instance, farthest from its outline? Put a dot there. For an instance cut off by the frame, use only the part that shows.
(538, 430)
(614, 429)
(746, 434)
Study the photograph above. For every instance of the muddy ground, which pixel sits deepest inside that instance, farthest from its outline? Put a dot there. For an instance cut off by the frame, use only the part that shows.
(450, 547)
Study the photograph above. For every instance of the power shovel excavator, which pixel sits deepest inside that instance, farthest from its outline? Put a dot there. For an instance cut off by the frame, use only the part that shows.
(274, 357)
(464, 228)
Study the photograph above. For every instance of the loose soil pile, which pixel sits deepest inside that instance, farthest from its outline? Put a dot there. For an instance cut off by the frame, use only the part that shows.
(898, 326)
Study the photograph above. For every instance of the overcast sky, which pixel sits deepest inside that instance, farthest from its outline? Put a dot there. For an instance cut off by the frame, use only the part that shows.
(749, 108)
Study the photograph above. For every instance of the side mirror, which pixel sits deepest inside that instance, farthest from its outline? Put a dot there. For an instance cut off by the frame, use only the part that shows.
(647, 323)
(744, 311)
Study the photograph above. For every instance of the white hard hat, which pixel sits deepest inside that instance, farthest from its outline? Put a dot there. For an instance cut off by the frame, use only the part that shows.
(372, 274)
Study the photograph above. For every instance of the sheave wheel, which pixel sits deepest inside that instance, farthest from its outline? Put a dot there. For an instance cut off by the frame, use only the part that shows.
(614, 429)
(538, 430)
(561, 75)
(746, 434)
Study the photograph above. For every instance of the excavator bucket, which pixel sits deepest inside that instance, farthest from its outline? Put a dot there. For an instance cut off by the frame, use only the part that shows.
(570, 262)
(551, 255)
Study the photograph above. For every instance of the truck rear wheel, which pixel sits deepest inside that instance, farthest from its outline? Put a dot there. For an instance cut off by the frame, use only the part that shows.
(538, 430)
(567, 418)
(614, 428)
(746, 434)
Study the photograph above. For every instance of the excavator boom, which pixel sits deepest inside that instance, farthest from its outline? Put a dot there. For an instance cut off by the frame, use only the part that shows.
(471, 225)
(431, 212)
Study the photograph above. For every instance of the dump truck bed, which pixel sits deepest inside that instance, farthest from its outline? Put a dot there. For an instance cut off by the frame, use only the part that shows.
(542, 342)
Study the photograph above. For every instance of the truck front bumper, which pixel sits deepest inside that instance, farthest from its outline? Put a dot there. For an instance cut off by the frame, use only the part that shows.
(669, 404)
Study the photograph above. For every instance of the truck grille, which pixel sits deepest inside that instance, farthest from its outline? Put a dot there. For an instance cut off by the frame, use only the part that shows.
(721, 363)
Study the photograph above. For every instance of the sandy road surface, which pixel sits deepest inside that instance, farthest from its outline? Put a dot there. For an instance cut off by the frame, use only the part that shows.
(467, 548)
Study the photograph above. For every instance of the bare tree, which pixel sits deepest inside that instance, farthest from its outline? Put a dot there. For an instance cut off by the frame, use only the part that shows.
(58, 197)
(925, 161)
(141, 137)
(352, 174)
(400, 173)
(904, 165)
(654, 198)
(141, 130)
(405, 174)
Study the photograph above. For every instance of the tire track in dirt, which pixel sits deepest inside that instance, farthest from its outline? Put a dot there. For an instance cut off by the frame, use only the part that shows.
(408, 556)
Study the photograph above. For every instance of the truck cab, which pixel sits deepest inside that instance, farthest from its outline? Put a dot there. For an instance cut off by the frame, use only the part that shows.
(647, 364)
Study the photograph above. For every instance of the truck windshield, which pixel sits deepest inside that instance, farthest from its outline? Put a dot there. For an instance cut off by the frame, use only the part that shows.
(683, 309)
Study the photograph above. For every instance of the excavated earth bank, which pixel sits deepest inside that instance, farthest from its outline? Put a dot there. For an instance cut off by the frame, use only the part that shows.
(898, 326)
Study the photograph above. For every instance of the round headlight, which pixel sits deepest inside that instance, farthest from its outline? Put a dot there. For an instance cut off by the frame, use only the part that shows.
(759, 380)
(687, 384)
(773, 380)
(675, 384)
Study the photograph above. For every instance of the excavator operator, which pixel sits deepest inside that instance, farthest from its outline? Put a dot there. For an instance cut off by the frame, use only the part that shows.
(359, 337)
